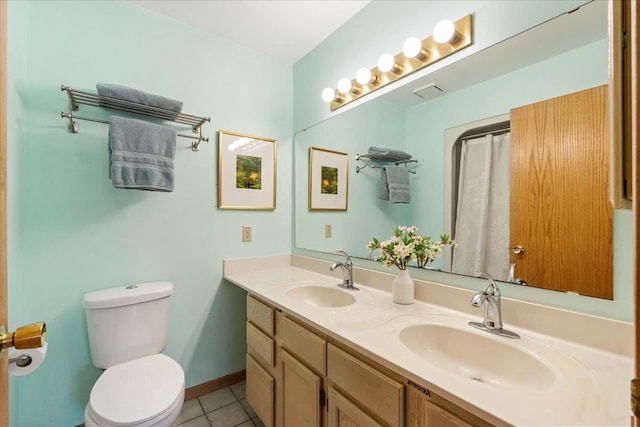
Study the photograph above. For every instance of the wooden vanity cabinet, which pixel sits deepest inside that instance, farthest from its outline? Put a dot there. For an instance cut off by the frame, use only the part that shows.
(261, 360)
(344, 413)
(425, 409)
(302, 373)
(298, 377)
(367, 389)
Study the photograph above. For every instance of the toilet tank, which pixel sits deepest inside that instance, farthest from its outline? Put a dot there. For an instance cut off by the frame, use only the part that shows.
(127, 322)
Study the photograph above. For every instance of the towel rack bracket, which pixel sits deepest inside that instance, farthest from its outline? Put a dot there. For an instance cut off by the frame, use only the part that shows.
(72, 126)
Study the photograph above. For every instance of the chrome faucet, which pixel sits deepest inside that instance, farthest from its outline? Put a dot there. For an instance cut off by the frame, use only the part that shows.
(490, 298)
(347, 272)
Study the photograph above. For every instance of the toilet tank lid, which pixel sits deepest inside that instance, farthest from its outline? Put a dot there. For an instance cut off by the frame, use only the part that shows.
(126, 295)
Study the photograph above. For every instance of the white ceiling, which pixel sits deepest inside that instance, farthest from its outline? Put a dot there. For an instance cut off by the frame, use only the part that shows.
(282, 29)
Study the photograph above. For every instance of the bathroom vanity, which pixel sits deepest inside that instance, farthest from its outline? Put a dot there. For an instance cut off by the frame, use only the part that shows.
(318, 355)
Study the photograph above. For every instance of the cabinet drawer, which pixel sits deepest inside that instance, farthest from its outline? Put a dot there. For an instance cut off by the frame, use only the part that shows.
(304, 344)
(260, 346)
(260, 315)
(260, 390)
(381, 395)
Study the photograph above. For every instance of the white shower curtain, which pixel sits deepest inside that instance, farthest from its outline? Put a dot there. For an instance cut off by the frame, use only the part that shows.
(482, 221)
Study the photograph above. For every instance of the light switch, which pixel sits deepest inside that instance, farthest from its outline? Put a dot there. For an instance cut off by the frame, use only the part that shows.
(246, 233)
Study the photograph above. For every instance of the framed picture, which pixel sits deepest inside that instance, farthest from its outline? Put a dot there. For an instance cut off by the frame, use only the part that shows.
(246, 171)
(328, 180)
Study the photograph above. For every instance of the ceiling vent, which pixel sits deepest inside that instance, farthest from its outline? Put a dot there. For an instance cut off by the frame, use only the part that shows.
(429, 91)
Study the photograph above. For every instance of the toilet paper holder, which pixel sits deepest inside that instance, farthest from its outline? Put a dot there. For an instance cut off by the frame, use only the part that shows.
(28, 336)
(21, 361)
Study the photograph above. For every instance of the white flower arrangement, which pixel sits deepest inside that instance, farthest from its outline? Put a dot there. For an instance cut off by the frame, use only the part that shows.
(406, 246)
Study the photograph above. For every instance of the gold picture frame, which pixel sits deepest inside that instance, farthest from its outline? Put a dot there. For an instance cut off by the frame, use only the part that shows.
(246, 171)
(328, 180)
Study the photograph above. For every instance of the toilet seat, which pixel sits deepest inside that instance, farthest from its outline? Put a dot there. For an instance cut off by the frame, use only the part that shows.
(138, 392)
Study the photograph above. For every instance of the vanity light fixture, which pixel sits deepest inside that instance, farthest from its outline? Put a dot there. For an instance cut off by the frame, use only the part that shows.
(344, 85)
(412, 48)
(448, 38)
(365, 77)
(387, 64)
(444, 31)
(328, 94)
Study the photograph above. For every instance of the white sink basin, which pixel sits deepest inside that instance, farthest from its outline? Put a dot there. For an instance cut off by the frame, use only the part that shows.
(322, 296)
(478, 356)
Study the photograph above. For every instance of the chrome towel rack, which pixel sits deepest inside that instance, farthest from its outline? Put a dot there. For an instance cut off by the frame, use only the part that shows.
(79, 97)
(365, 157)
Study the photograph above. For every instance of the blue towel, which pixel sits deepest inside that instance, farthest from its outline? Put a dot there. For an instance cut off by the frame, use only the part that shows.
(379, 153)
(142, 154)
(134, 95)
(394, 184)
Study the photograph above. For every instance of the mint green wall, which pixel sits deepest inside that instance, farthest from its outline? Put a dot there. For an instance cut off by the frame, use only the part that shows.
(17, 69)
(72, 232)
(384, 25)
(352, 133)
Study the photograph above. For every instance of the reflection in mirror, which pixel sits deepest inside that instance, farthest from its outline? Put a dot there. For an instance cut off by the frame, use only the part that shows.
(565, 55)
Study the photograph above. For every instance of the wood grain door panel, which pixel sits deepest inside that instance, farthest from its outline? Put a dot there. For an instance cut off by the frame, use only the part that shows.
(560, 210)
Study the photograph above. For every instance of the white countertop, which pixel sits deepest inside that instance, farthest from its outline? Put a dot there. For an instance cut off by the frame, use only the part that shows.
(592, 385)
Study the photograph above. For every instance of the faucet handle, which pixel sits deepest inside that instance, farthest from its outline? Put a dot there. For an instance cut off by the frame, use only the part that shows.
(348, 262)
(341, 252)
(492, 289)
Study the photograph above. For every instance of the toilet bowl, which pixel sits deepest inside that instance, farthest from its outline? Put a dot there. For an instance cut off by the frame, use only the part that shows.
(127, 328)
(143, 392)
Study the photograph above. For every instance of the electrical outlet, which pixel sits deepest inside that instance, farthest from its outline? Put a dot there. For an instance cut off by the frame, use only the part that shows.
(327, 230)
(246, 233)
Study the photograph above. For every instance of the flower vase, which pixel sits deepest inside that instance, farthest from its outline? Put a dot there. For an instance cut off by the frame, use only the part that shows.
(402, 288)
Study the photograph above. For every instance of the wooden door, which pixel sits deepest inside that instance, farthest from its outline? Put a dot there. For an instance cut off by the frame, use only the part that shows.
(560, 211)
(632, 93)
(4, 373)
(344, 413)
(301, 389)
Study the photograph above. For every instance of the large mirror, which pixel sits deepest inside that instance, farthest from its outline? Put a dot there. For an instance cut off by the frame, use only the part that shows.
(564, 55)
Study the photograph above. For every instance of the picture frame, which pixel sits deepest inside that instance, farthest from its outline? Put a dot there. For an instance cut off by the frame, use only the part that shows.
(328, 180)
(246, 171)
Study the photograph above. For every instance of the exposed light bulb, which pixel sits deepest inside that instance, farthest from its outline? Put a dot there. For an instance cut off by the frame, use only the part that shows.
(443, 31)
(344, 85)
(386, 62)
(412, 47)
(363, 76)
(328, 94)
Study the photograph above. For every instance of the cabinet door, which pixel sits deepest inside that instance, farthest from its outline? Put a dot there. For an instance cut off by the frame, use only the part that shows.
(421, 411)
(560, 209)
(260, 390)
(301, 389)
(344, 413)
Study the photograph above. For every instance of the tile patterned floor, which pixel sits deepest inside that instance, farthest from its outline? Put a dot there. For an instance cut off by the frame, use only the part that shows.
(226, 407)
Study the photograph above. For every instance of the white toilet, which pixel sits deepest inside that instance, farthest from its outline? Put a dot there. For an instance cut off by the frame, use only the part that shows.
(127, 329)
